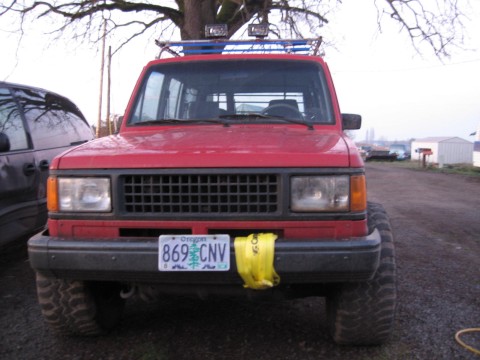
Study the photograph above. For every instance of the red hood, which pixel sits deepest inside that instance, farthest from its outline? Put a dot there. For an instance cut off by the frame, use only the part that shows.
(212, 147)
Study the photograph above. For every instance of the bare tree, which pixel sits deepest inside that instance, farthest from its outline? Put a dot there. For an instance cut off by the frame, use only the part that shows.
(436, 22)
(439, 23)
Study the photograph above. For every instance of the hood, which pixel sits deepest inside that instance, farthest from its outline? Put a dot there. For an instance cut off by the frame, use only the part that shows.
(207, 146)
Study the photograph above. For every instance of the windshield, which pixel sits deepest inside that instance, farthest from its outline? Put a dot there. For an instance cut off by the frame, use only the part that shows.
(235, 91)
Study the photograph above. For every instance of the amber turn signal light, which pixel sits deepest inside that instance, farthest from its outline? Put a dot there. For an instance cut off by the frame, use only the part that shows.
(358, 193)
(52, 194)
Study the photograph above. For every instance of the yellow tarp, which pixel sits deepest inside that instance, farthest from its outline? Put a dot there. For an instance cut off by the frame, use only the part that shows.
(254, 255)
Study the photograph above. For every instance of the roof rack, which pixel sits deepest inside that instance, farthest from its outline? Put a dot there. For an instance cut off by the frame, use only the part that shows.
(224, 46)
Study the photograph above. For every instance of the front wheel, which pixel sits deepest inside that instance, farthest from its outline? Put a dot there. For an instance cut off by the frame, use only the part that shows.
(73, 307)
(363, 313)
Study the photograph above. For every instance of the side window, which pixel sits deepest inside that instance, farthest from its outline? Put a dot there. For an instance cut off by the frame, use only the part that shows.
(54, 121)
(189, 98)
(11, 122)
(255, 102)
(172, 109)
(148, 104)
(220, 99)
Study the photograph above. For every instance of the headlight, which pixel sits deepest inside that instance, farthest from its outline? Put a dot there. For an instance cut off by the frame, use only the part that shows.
(320, 193)
(84, 194)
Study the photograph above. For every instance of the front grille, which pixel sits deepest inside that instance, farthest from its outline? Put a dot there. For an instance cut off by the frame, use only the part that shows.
(201, 194)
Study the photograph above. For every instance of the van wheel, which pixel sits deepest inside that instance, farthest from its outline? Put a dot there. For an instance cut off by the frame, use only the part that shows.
(73, 307)
(363, 313)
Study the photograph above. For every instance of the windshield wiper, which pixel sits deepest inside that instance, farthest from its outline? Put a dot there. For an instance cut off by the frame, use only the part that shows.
(264, 116)
(246, 116)
(182, 121)
(308, 124)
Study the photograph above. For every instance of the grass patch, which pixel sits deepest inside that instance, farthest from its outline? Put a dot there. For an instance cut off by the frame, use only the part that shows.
(464, 169)
(461, 169)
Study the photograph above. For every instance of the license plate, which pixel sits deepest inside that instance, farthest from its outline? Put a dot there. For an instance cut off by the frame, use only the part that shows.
(194, 253)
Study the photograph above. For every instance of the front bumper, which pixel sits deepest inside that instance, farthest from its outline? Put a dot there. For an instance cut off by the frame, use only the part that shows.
(131, 260)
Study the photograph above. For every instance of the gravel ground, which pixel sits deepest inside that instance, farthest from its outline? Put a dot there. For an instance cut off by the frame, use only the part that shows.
(436, 222)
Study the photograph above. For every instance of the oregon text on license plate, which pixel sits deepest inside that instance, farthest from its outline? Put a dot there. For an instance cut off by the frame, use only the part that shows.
(194, 253)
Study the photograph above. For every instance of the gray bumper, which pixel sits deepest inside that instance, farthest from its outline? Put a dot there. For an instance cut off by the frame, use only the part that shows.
(131, 260)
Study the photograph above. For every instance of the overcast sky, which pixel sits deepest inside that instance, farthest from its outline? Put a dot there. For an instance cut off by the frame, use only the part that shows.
(400, 94)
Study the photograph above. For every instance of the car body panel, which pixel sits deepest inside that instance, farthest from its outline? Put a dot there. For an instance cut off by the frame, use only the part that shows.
(207, 146)
(32, 119)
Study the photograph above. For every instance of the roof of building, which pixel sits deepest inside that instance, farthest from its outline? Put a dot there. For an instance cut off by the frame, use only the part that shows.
(439, 139)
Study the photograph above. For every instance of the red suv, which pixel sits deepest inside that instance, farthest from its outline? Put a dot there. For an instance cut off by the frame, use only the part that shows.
(231, 173)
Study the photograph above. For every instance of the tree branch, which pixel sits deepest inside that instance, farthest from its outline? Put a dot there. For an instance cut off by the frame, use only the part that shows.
(85, 8)
(439, 29)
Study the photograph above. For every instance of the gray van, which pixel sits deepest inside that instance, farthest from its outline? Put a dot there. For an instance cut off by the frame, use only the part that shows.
(35, 126)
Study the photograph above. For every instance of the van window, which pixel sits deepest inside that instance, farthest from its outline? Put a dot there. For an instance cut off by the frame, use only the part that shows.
(53, 120)
(11, 122)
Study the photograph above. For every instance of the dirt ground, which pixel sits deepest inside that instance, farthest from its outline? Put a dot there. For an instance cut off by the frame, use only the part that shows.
(436, 222)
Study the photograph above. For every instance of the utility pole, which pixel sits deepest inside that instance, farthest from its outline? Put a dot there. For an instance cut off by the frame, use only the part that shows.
(109, 74)
(102, 66)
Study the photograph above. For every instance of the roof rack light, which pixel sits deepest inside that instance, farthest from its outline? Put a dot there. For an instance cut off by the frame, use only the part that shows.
(258, 30)
(216, 31)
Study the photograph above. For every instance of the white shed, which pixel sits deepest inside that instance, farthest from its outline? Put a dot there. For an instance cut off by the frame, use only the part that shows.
(476, 154)
(476, 148)
(445, 150)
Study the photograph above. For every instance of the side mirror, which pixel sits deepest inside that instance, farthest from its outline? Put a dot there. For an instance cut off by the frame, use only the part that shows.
(4, 143)
(351, 121)
(118, 124)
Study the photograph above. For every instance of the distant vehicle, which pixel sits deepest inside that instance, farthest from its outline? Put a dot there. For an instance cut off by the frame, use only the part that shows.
(370, 153)
(400, 150)
(364, 150)
(35, 126)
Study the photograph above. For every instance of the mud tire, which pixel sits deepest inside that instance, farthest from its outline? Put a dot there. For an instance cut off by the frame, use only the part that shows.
(73, 307)
(363, 313)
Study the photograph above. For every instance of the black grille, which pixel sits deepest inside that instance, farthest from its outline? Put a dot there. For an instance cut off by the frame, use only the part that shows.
(202, 194)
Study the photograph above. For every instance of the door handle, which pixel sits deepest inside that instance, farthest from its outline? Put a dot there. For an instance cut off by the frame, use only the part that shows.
(43, 165)
(28, 169)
